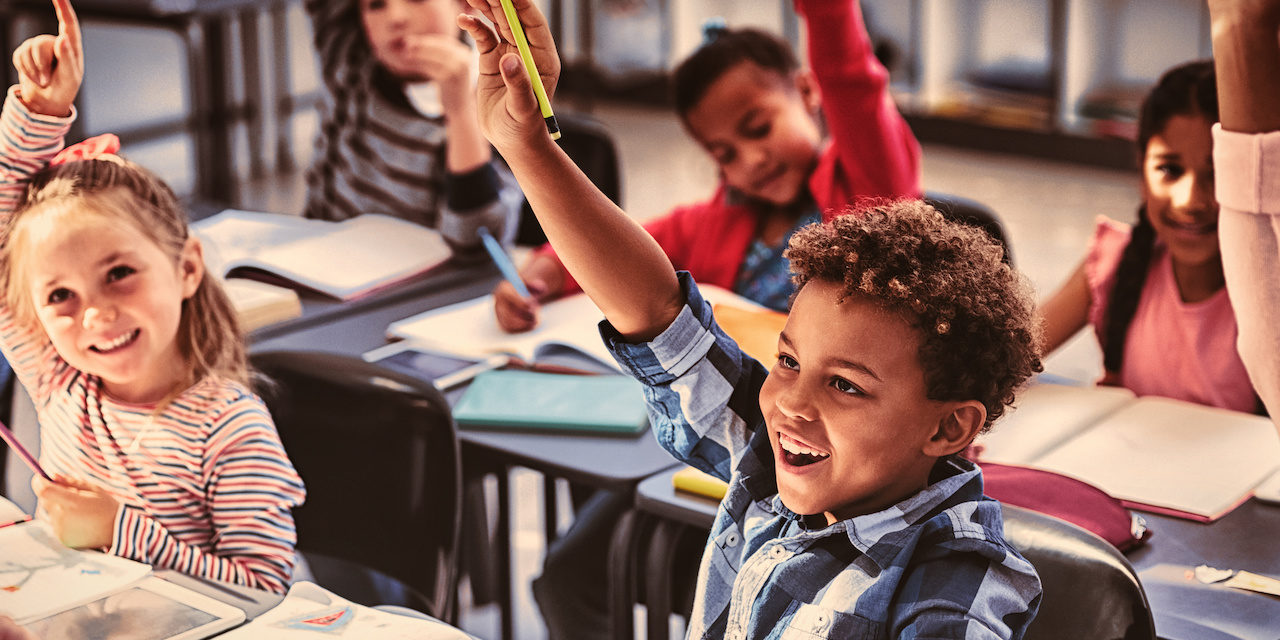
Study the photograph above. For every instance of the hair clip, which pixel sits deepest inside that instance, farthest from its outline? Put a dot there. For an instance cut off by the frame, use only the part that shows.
(713, 28)
(93, 148)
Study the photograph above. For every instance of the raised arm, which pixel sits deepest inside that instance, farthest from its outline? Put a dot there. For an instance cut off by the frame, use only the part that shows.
(878, 154)
(1247, 169)
(618, 264)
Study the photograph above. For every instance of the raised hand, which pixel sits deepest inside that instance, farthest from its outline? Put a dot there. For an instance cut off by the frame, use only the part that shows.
(51, 68)
(508, 110)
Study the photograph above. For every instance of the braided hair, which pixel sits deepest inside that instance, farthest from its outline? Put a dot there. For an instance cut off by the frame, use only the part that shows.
(1188, 89)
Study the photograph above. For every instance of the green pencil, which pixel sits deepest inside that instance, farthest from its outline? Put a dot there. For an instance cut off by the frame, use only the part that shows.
(522, 45)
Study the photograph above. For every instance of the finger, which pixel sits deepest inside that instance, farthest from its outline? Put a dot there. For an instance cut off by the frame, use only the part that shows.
(484, 37)
(482, 6)
(26, 66)
(42, 58)
(69, 25)
(521, 103)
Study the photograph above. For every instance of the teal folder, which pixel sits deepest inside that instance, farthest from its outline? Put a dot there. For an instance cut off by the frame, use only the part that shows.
(534, 401)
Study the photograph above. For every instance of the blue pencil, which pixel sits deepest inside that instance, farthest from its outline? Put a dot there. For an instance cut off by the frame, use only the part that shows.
(503, 261)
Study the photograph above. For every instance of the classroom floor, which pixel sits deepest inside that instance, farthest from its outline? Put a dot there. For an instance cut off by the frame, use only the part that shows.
(1048, 210)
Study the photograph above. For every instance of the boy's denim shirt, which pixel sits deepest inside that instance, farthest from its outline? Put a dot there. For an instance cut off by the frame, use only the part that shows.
(932, 566)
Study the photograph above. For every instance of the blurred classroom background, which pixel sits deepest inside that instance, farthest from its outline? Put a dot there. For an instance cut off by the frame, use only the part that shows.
(1024, 106)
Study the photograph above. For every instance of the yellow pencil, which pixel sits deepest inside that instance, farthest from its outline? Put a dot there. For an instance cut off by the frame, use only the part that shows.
(522, 45)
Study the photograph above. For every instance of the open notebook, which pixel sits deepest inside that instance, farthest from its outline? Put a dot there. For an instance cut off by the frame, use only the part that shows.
(310, 611)
(1155, 454)
(344, 260)
(569, 324)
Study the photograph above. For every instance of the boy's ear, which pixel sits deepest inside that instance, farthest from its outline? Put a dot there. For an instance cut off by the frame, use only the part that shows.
(807, 84)
(956, 428)
(191, 266)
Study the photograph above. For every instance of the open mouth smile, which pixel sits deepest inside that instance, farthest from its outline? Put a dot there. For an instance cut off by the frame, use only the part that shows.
(797, 453)
(119, 343)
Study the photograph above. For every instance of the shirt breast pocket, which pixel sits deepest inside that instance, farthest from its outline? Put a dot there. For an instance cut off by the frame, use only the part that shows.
(812, 622)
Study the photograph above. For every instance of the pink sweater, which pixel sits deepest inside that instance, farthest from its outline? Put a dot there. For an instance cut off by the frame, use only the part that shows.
(872, 152)
(1173, 349)
(1247, 176)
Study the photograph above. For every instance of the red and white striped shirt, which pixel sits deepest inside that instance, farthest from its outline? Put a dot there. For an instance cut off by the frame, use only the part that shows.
(205, 485)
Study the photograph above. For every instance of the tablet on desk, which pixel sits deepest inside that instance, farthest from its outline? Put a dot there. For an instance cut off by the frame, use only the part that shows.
(153, 609)
(444, 370)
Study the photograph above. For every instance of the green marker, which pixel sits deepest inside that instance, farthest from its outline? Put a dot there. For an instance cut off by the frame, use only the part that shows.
(522, 45)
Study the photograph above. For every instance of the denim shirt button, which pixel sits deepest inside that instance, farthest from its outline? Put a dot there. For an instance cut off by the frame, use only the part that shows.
(731, 540)
(777, 551)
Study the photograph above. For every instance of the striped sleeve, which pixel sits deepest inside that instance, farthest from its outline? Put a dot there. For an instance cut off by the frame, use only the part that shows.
(27, 142)
(251, 487)
(701, 389)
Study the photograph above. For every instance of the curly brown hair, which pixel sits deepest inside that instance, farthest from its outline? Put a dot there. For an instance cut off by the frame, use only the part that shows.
(975, 314)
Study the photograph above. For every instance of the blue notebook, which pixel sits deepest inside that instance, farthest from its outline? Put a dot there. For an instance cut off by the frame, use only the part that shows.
(535, 401)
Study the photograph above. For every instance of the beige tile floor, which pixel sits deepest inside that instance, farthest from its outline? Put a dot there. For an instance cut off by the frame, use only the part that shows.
(1048, 210)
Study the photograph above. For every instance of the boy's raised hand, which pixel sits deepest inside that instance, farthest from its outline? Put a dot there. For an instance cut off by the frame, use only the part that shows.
(51, 68)
(508, 110)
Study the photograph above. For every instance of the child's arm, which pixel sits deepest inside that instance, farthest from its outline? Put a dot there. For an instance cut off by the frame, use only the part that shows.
(1066, 312)
(878, 153)
(1247, 168)
(37, 113)
(251, 488)
(617, 263)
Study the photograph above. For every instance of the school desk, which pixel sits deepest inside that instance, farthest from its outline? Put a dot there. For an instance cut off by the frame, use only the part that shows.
(594, 461)
(204, 28)
(1243, 539)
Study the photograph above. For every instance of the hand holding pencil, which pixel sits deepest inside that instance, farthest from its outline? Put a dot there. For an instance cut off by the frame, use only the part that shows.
(509, 107)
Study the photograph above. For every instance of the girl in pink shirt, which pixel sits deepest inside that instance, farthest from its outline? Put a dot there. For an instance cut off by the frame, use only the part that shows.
(1155, 292)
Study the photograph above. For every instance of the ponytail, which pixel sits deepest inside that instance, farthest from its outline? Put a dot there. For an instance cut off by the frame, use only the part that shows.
(1131, 276)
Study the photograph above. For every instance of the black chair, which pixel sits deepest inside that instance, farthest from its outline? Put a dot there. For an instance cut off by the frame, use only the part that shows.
(589, 144)
(1090, 590)
(973, 213)
(379, 454)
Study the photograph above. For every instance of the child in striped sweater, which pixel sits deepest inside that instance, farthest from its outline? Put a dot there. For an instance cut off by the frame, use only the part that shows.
(158, 450)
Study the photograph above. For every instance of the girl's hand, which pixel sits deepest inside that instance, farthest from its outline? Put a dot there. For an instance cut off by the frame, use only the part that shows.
(51, 68)
(444, 60)
(9, 630)
(508, 110)
(1265, 13)
(516, 313)
(82, 514)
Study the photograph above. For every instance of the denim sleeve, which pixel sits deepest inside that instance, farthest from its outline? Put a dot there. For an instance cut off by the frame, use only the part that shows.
(702, 390)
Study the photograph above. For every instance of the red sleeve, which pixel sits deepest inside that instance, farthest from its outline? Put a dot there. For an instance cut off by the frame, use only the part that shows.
(877, 154)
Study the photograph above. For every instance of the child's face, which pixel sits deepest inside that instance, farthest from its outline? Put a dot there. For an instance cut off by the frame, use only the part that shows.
(761, 130)
(846, 408)
(1178, 184)
(393, 25)
(110, 300)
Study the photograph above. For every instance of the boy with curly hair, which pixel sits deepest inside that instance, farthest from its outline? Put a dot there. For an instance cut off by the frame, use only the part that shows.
(848, 512)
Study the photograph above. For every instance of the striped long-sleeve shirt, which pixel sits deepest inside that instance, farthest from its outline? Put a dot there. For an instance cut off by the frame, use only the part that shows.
(205, 484)
(934, 565)
(376, 153)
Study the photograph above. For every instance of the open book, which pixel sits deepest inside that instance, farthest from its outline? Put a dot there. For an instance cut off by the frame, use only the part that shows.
(1155, 454)
(344, 260)
(259, 304)
(567, 325)
(310, 611)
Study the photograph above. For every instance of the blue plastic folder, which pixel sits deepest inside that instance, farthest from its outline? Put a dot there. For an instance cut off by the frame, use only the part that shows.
(534, 401)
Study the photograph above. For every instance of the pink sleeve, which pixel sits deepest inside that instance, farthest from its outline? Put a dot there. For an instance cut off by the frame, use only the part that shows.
(1247, 175)
(877, 151)
(1105, 248)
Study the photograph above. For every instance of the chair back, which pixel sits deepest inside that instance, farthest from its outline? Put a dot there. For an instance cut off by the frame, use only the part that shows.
(1090, 590)
(589, 144)
(974, 213)
(379, 454)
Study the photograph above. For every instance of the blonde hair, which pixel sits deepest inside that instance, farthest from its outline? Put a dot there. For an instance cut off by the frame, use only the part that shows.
(209, 336)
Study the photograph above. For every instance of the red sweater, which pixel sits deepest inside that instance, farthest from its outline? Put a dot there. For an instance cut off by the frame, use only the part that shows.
(872, 152)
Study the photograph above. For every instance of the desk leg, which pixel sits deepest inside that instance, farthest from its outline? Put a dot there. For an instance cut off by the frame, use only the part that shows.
(550, 511)
(659, 562)
(622, 575)
(503, 544)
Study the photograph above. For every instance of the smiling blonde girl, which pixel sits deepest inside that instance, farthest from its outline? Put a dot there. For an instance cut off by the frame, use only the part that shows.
(158, 450)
